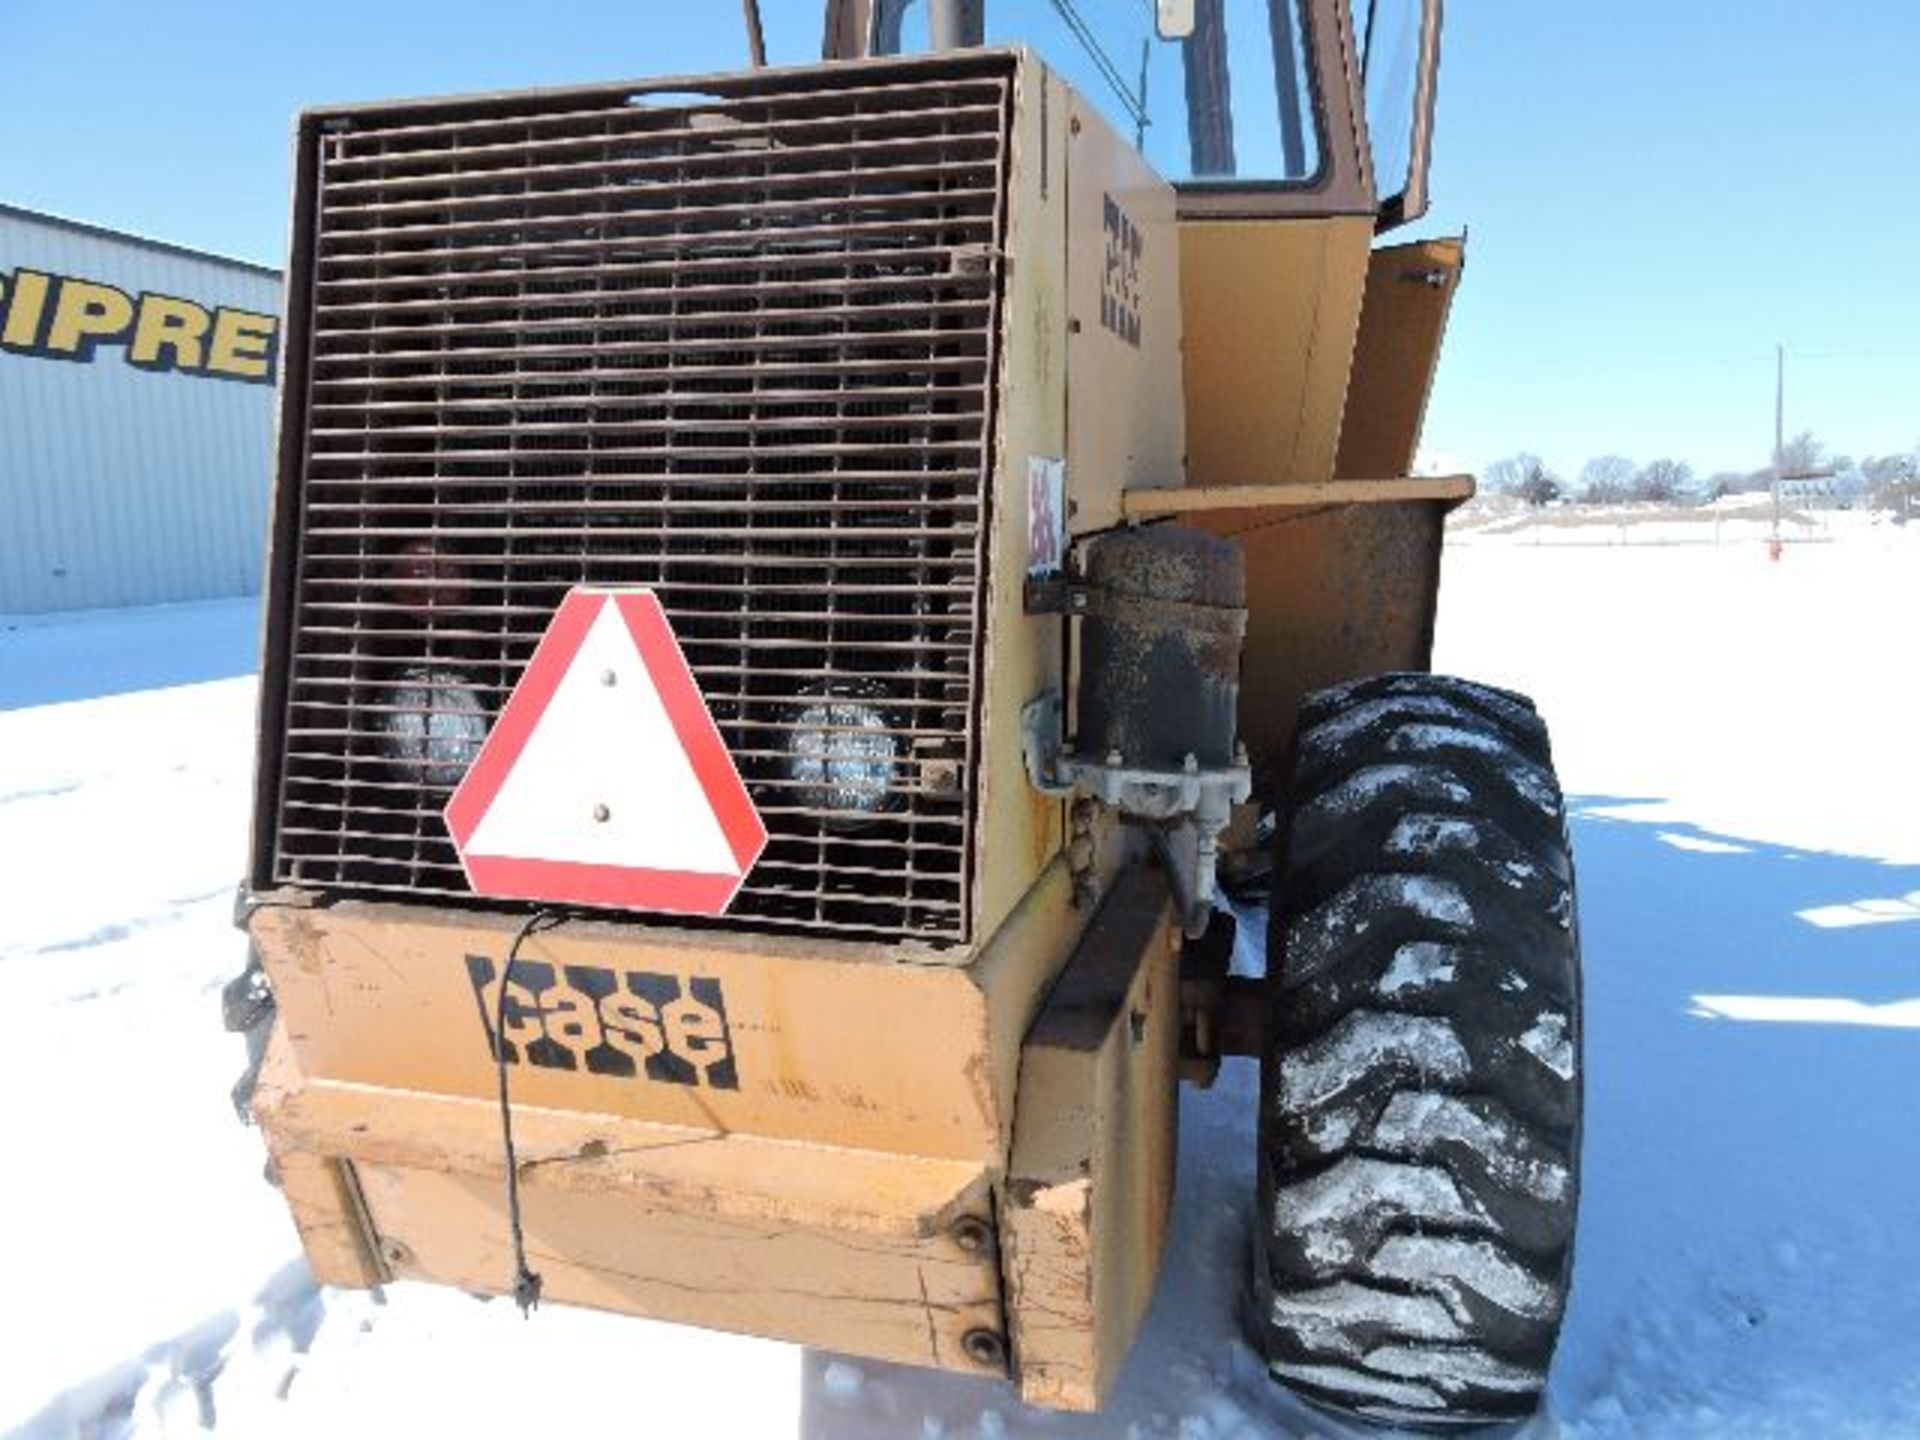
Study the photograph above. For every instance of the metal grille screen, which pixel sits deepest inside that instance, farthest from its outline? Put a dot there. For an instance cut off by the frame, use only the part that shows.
(735, 347)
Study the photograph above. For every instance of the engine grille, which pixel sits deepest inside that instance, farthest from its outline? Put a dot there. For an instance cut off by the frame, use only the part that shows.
(736, 346)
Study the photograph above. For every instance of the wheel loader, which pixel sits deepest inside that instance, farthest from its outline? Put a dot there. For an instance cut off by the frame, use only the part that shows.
(792, 593)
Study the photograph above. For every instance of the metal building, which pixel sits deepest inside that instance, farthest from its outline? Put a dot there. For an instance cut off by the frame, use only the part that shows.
(136, 417)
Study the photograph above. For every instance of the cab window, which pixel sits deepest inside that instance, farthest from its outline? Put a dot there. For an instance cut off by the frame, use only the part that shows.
(1225, 96)
(1391, 36)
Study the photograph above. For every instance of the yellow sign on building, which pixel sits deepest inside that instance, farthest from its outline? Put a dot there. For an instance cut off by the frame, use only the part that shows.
(64, 317)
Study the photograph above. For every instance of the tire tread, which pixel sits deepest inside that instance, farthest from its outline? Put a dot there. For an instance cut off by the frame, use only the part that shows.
(1420, 1167)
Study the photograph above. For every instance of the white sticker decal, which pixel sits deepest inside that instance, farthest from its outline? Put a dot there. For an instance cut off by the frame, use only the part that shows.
(1046, 515)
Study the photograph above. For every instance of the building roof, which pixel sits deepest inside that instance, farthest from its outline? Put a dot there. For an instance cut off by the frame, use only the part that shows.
(128, 237)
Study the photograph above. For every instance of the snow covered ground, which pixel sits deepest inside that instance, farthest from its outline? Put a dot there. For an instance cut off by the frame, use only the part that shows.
(1737, 737)
(1732, 520)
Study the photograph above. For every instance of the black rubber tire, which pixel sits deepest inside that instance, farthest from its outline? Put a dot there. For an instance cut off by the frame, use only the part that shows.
(1420, 1105)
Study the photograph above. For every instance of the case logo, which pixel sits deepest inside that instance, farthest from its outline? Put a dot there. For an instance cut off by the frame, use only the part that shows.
(1120, 280)
(635, 1024)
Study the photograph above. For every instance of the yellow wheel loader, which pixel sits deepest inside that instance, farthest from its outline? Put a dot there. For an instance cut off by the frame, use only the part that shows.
(790, 593)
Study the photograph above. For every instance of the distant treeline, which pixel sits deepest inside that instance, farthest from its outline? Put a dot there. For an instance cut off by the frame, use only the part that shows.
(1807, 469)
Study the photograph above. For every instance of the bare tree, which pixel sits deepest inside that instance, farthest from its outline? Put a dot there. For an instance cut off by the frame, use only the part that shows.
(1726, 482)
(1893, 483)
(1606, 479)
(1890, 469)
(1510, 474)
(1663, 480)
(1525, 476)
(1802, 454)
(1542, 487)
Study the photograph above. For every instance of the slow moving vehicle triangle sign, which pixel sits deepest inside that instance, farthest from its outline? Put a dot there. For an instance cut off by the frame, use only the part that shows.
(605, 780)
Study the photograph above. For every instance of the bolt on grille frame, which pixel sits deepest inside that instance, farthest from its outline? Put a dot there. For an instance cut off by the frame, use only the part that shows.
(730, 338)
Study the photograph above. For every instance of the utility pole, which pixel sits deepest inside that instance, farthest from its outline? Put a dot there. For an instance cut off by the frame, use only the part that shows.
(1779, 432)
(1780, 444)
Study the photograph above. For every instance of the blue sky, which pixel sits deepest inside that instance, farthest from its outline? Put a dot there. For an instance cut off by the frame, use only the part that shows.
(1657, 190)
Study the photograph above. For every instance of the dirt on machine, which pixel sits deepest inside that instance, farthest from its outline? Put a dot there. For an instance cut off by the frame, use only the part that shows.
(793, 596)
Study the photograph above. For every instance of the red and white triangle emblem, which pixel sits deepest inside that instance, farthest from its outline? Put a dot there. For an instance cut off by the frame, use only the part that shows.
(605, 780)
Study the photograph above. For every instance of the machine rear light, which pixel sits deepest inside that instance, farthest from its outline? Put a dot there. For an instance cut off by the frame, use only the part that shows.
(842, 754)
(433, 725)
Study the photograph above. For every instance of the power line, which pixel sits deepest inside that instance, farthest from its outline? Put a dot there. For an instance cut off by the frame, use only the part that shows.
(1639, 364)
(1134, 105)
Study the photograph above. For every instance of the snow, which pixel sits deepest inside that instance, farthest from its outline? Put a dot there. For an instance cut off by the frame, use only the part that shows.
(1343, 724)
(1357, 790)
(1461, 1266)
(1889, 910)
(1362, 1042)
(1419, 1123)
(1419, 738)
(842, 1379)
(1418, 965)
(1734, 521)
(1392, 1392)
(1433, 899)
(1432, 835)
(1526, 777)
(1548, 1042)
(1450, 1366)
(1327, 1210)
(1734, 736)
(1318, 937)
(1804, 1009)
(1701, 844)
(49, 659)
(1331, 1308)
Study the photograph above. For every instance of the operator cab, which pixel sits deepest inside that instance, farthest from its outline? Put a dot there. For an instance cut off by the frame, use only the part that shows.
(1245, 105)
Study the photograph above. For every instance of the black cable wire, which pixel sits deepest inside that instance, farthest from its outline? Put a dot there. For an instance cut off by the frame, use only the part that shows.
(1110, 72)
(526, 1284)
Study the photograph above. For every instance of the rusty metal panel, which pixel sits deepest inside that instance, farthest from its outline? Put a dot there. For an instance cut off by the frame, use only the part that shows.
(1410, 291)
(738, 349)
(1332, 593)
(1090, 1179)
